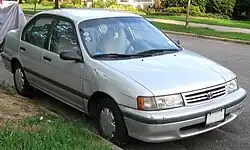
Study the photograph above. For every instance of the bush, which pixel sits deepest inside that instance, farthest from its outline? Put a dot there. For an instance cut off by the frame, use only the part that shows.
(217, 16)
(176, 10)
(70, 5)
(223, 7)
(183, 3)
(106, 4)
(195, 10)
(128, 8)
(241, 6)
(30, 1)
(47, 3)
(201, 4)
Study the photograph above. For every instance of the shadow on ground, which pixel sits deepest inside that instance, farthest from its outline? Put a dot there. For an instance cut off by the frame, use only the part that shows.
(215, 140)
(64, 110)
(69, 112)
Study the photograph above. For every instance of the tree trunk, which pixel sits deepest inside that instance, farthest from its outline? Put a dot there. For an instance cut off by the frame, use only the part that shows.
(56, 4)
(248, 13)
(187, 17)
(35, 6)
(157, 4)
(93, 3)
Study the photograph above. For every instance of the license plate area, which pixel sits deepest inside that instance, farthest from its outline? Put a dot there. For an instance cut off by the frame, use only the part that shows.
(215, 117)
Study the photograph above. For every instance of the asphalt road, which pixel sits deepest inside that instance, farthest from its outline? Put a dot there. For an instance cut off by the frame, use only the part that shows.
(233, 136)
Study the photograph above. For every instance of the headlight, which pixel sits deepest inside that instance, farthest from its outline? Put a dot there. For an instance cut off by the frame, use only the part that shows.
(232, 86)
(161, 102)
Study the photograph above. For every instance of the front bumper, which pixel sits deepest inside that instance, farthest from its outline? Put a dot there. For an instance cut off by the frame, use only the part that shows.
(174, 124)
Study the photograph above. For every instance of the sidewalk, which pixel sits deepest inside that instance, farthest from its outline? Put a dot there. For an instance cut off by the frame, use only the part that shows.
(214, 27)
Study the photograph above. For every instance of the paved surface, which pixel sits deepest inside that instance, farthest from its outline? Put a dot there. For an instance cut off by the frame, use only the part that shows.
(4, 75)
(217, 28)
(233, 136)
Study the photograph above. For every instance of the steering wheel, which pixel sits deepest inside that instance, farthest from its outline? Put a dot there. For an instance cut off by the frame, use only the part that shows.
(134, 43)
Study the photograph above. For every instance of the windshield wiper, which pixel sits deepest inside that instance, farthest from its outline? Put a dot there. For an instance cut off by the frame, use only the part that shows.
(156, 51)
(115, 55)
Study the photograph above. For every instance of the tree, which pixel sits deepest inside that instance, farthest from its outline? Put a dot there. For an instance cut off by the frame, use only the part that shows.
(222, 7)
(241, 6)
(187, 17)
(35, 4)
(200, 3)
(56, 4)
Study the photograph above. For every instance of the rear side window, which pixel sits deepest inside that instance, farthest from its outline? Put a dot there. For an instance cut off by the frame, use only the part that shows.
(37, 31)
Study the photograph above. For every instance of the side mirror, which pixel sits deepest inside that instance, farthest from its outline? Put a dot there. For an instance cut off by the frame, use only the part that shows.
(70, 55)
(178, 42)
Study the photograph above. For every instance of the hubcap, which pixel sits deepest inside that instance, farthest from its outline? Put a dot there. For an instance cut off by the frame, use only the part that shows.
(19, 79)
(107, 123)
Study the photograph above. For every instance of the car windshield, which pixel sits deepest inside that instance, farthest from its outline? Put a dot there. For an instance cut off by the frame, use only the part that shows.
(120, 36)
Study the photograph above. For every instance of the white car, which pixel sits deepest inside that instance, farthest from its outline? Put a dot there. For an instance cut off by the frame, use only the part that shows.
(120, 69)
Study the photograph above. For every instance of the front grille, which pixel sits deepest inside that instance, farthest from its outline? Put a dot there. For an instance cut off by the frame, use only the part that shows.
(204, 94)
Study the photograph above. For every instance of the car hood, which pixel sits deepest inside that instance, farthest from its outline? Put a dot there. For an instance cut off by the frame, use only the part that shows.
(173, 73)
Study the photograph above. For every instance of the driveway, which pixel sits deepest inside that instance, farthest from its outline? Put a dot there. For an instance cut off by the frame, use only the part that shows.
(235, 136)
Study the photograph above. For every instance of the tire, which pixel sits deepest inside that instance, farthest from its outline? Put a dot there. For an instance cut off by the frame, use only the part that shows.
(22, 85)
(1, 47)
(120, 135)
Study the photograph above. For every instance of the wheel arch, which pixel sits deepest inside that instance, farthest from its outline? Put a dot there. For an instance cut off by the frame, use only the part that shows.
(95, 99)
(14, 61)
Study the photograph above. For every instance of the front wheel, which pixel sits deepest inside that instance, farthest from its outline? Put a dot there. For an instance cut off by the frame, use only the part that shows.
(111, 122)
(21, 83)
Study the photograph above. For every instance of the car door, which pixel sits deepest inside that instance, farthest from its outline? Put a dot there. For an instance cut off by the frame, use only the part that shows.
(64, 77)
(32, 44)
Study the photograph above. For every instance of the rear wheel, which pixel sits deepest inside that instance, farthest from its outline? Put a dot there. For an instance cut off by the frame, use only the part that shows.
(111, 122)
(21, 83)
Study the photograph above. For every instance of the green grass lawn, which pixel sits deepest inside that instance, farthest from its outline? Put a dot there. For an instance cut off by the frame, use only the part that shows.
(25, 125)
(29, 8)
(203, 31)
(50, 133)
(210, 21)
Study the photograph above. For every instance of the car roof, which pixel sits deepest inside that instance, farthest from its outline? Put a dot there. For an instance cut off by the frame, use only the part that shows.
(81, 14)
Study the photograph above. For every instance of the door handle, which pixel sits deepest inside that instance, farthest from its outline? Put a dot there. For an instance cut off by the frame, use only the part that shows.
(22, 49)
(47, 58)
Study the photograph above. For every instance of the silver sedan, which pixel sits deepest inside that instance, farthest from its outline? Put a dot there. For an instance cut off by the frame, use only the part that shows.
(120, 69)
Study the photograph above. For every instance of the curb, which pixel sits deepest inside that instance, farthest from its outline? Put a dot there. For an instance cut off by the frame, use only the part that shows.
(208, 37)
(113, 146)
